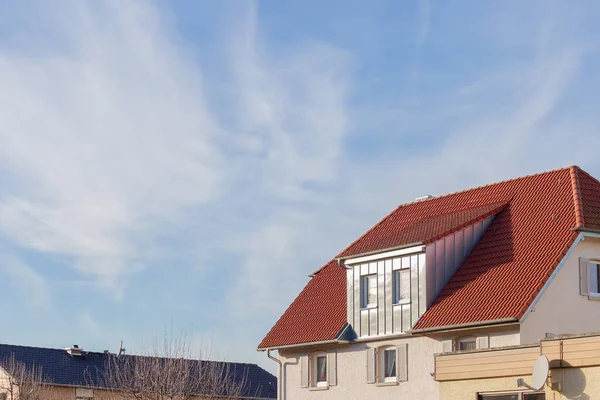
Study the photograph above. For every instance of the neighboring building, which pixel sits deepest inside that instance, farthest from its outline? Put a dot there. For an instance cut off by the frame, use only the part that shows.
(74, 374)
(492, 374)
(503, 264)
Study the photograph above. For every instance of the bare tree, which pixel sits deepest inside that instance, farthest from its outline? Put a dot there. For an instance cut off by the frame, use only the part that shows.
(20, 382)
(169, 371)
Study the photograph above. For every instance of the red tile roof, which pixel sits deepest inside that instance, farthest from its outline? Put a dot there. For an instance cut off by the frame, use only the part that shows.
(317, 314)
(531, 233)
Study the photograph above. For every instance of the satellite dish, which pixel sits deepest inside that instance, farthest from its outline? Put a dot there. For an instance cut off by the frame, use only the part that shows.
(540, 372)
(539, 376)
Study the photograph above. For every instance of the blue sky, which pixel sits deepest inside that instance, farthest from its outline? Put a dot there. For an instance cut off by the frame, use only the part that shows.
(185, 165)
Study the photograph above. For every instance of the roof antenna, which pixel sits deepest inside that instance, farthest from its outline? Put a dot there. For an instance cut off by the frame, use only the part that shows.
(121, 349)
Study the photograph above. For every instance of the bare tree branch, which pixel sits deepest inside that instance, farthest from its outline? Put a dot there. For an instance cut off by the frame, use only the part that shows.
(169, 371)
(20, 382)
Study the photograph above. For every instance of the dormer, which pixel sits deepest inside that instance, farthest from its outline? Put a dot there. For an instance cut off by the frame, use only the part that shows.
(388, 291)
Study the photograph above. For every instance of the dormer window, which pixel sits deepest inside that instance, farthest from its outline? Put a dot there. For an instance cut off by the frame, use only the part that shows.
(401, 286)
(369, 291)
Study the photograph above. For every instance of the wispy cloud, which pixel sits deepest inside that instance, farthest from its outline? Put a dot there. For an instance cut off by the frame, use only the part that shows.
(105, 143)
(424, 22)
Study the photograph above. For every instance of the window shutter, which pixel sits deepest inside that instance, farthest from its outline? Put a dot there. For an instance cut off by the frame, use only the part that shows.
(402, 362)
(483, 342)
(304, 371)
(332, 368)
(370, 365)
(446, 346)
(584, 276)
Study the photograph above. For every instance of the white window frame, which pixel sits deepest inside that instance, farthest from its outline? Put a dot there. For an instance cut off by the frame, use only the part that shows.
(313, 370)
(465, 339)
(396, 285)
(520, 395)
(594, 277)
(381, 364)
(364, 291)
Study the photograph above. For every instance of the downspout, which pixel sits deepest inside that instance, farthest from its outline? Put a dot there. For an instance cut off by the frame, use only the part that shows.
(279, 377)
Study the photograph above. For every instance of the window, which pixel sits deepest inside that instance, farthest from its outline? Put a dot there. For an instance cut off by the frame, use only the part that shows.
(401, 286)
(318, 371)
(512, 396)
(319, 374)
(369, 291)
(468, 343)
(594, 278)
(387, 364)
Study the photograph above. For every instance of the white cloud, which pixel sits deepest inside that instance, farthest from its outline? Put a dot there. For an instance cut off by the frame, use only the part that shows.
(110, 139)
(105, 142)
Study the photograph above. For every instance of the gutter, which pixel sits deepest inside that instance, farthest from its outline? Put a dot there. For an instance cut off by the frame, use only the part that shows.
(465, 326)
(582, 229)
(279, 380)
(334, 341)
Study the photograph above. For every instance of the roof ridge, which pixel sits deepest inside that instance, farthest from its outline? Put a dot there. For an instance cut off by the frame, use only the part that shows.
(579, 169)
(573, 173)
(33, 347)
(129, 355)
(436, 198)
(487, 185)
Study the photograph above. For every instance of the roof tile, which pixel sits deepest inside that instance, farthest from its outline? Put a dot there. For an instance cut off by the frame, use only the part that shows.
(532, 231)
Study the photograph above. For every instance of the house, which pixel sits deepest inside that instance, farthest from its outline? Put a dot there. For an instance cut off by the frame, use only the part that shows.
(492, 374)
(76, 374)
(504, 264)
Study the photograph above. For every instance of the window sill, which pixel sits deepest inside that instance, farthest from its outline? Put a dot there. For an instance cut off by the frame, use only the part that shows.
(316, 388)
(401, 302)
(379, 384)
(594, 296)
(369, 307)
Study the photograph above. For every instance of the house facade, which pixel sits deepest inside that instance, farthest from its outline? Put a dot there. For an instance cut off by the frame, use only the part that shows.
(504, 264)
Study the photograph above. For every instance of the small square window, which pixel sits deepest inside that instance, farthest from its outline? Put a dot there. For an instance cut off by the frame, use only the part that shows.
(401, 286)
(369, 291)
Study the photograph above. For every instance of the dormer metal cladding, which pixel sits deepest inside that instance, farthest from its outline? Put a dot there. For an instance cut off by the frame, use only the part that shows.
(429, 268)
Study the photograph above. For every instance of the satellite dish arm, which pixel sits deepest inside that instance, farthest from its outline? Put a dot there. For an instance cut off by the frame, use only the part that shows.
(521, 383)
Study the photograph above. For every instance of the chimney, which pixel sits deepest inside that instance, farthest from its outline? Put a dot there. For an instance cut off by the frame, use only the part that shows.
(74, 351)
(426, 197)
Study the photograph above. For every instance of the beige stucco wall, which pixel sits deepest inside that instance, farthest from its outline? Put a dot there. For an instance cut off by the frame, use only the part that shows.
(351, 367)
(499, 335)
(351, 373)
(468, 389)
(561, 309)
(577, 383)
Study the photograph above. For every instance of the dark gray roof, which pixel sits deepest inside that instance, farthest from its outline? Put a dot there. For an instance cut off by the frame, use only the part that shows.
(60, 368)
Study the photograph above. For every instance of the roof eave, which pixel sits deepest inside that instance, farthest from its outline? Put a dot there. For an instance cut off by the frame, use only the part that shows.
(368, 253)
(479, 324)
(306, 344)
